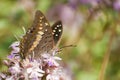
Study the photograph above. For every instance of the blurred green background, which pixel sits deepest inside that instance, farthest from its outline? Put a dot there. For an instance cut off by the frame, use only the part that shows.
(92, 25)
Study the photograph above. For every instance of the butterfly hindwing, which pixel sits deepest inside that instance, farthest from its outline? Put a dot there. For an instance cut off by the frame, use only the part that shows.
(57, 30)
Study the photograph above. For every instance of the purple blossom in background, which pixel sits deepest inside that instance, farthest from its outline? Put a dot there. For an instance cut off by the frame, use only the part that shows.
(69, 16)
(116, 5)
(86, 1)
(74, 3)
(91, 2)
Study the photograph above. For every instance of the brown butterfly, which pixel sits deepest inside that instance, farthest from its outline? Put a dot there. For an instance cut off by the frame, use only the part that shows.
(40, 37)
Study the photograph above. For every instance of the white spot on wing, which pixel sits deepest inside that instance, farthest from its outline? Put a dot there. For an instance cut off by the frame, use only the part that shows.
(57, 25)
(46, 30)
(59, 30)
(56, 35)
(54, 31)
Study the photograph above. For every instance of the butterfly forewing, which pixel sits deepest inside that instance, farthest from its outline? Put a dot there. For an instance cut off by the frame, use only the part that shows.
(37, 37)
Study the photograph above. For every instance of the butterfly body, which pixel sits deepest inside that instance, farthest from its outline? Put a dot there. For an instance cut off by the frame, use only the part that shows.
(40, 37)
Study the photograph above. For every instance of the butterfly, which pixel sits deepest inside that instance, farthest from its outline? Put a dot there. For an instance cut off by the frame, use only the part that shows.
(40, 37)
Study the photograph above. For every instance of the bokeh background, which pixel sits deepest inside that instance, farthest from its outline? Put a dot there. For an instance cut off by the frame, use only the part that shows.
(92, 25)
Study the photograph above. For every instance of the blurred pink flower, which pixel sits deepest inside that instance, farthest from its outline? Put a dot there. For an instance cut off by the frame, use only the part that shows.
(67, 14)
(74, 3)
(91, 2)
(116, 5)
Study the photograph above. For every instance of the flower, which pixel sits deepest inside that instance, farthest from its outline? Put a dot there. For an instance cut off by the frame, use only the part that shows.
(91, 2)
(15, 69)
(15, 45)
(31, 68)
(116, 5)
(2, 76)
(50, 60)
(53, 75)
(58, 74)
(15, 50)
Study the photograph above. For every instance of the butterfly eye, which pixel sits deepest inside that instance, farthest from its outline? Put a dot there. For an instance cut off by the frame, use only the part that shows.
(31, 30)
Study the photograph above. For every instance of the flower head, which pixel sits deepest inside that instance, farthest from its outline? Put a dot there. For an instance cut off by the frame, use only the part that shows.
(15, 49)
(50, 60)
(31, 68)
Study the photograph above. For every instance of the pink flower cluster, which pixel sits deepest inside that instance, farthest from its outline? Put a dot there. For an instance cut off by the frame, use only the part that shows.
(46, 68)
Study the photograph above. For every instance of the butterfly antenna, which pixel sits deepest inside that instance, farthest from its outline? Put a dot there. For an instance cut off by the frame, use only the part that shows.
(61, 48)
(68, 46)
